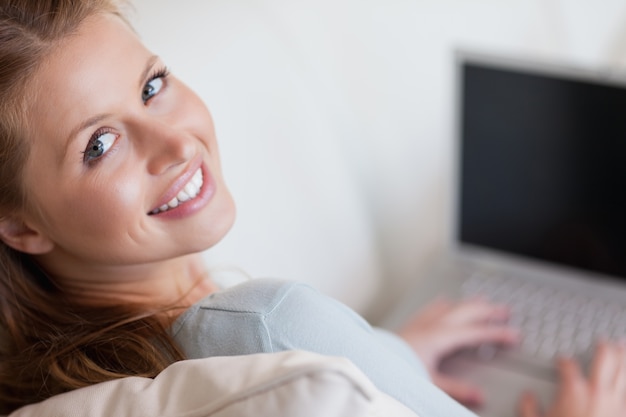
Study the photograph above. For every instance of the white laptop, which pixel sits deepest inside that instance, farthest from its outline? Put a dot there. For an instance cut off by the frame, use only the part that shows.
(538, 217)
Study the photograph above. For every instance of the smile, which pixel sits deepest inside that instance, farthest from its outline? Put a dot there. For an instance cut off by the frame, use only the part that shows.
(190, 191)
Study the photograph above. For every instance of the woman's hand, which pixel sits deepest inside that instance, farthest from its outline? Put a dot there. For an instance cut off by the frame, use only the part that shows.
(443, 327)
(603, 394)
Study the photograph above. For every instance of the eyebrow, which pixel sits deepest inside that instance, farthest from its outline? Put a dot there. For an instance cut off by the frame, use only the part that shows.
(94, 120)
(153, 59)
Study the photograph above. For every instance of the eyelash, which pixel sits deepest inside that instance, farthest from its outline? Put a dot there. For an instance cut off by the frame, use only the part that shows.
(163, 73)
(96, 135)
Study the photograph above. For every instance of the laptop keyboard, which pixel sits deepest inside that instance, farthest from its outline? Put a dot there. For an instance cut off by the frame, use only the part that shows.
(553, 321)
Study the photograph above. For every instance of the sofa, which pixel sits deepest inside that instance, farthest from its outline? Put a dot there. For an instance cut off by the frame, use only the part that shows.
(285, 384)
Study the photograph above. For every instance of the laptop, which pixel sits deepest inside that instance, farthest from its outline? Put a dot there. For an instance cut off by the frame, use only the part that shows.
(538, 217)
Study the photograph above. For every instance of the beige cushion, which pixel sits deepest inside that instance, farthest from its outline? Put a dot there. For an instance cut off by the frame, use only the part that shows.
(294, 384)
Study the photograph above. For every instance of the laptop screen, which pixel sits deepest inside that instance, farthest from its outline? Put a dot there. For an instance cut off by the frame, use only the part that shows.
(543, 166)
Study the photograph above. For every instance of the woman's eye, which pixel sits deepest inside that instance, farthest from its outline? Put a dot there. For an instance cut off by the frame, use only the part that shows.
(152, 88)
(99, 145)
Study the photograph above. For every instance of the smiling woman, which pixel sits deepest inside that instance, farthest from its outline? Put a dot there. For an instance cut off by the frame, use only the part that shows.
(111, 187)
(108, 211)
(134, 144)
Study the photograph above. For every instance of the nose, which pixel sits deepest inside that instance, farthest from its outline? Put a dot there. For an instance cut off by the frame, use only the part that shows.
(163, 145)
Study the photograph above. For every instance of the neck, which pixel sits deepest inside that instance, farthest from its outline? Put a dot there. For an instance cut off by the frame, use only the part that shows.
(177, 282)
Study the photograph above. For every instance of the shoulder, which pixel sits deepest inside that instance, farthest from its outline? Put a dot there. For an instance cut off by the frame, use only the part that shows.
(267, 303)
(258, 296)
(255, 299)
(262, 315)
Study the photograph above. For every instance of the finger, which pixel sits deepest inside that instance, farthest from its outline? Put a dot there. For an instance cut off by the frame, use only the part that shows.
(620, 376)
(459, 390)
(605, 363)
(470, 336)
(476, 310)
(572, 380)
(445, 343)
(528, 406)
(435, 309)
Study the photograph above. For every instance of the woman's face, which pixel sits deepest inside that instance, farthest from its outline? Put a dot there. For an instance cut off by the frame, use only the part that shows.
(123, 166)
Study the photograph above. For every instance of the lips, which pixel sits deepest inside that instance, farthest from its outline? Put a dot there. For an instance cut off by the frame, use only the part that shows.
(185, 189)
(188, 193)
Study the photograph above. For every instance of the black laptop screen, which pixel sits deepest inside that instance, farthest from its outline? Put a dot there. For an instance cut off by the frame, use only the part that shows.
(543, 167)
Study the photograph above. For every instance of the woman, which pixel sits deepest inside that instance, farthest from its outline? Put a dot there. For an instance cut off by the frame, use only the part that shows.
(111, 186)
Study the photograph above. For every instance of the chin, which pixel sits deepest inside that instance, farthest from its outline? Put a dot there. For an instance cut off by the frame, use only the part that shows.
(216, 226)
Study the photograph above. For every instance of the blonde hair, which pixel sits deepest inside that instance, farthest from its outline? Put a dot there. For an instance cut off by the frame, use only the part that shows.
(50, 344)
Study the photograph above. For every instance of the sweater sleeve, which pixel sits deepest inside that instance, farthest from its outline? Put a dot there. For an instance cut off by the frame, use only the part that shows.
(266, 315)
(305, 319)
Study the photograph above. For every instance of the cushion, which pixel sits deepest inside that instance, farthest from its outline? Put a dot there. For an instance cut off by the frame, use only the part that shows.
(281, 384)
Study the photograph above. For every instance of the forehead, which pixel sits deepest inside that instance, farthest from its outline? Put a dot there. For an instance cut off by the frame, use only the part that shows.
(84, 74)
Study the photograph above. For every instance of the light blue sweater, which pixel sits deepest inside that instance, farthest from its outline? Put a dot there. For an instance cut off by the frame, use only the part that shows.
(265, 315)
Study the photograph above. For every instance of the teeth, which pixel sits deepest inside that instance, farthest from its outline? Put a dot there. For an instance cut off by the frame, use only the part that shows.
(182, 196)
(197, 179)
(173, 203)
(189, 192)
(190, 189)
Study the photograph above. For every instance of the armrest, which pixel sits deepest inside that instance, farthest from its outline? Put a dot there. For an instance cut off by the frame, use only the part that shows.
(284, 384)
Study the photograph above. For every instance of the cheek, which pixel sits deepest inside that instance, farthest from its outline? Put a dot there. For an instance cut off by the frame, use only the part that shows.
(107, 205)
(103, 208)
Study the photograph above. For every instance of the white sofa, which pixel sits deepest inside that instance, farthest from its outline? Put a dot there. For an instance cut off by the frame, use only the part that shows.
(286, 384)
